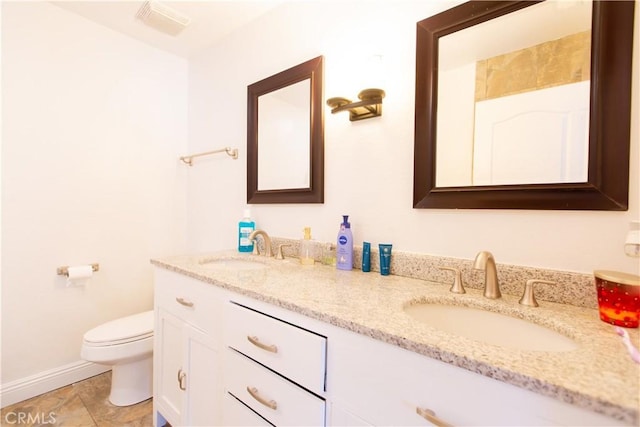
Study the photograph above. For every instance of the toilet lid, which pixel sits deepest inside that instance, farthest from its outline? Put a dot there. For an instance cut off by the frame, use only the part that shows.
(125, 329)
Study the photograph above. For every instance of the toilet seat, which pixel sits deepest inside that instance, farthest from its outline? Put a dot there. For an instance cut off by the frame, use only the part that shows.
(121, 331)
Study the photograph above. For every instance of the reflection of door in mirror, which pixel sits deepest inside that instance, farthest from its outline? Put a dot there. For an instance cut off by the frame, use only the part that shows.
(283, 134)
(520, 98)
(536, 137)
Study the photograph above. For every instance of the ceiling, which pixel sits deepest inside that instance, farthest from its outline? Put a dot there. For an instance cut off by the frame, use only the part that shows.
(211, 20)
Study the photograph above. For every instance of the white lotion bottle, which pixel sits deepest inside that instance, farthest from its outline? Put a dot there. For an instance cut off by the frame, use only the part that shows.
(344, 247)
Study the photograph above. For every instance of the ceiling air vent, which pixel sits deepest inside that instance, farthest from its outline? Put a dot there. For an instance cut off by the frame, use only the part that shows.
(162, 18)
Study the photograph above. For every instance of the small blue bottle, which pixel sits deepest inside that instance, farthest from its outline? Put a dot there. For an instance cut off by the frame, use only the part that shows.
(246, 226)
(344, 248)
(366, 257)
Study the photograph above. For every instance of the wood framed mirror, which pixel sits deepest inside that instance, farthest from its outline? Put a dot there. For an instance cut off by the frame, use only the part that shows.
(285, 136)
(607, 130)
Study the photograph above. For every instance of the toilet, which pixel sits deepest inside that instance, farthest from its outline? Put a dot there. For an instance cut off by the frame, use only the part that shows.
(126, 344)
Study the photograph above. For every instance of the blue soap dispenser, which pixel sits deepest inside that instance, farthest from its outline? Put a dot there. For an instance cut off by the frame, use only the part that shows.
(344, 249)
(246, 226)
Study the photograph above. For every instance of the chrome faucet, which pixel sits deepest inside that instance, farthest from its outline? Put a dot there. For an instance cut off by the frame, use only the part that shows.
(485, 261)
(267, 242)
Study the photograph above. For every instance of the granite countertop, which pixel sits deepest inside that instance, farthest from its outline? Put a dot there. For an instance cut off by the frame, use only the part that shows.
(599, 375)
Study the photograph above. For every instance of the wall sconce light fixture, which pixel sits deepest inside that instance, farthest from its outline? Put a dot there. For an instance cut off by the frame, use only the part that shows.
(632, 242)
(370, 105)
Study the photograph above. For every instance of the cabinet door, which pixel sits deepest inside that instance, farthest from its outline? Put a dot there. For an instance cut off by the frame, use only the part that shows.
(167, 363)
(186, 345)
(203, 394)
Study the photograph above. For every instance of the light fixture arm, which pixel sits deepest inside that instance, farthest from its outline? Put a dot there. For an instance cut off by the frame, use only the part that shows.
(370, 105)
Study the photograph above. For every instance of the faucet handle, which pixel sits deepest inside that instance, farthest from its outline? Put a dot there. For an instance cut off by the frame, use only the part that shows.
(279, 253)
(457, 287)
(528, 297)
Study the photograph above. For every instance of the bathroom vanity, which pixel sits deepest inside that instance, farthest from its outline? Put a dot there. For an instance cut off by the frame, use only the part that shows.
(246, 340)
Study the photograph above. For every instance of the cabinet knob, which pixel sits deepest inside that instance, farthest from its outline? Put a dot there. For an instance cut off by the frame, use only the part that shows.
(430, 416)
(268, 403)
(182, 379)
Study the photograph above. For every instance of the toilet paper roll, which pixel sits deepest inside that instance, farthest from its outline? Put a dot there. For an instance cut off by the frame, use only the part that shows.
(79, 275)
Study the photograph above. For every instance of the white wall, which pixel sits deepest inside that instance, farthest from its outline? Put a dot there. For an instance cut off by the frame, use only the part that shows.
(369, 164)
(93, 125)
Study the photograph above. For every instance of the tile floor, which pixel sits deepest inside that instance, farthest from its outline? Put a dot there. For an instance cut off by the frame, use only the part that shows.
(83, 404)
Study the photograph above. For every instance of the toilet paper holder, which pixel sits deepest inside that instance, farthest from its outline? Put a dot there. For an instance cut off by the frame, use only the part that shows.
(64, 270)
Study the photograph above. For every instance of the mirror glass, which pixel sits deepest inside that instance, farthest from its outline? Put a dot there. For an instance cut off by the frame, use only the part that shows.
(522, 101)
(283, 132)
(285, 136)
(524, 105)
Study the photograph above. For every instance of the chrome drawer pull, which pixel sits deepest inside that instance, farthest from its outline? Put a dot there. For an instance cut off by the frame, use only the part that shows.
(268, 403)
(184, 302)
(430, 416)
(182, 376)
(255, 341)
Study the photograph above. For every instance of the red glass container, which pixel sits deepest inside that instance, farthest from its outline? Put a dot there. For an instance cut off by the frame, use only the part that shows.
(618, 297)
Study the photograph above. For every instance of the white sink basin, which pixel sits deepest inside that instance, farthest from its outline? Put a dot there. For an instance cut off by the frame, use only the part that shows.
(490, 327)
(232, 264)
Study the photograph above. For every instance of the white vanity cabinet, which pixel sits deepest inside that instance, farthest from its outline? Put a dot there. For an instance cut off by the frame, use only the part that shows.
(187, 384)
(221, 358)
(273, 367)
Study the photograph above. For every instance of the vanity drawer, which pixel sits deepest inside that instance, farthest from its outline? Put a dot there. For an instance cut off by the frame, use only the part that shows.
(238, 414)
(293, 352)
(386, 385)
(189, 299)
(276, 399)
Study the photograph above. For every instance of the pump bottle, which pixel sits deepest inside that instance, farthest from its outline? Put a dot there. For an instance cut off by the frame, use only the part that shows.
(245, 227)
(307, 253)
(344, 247)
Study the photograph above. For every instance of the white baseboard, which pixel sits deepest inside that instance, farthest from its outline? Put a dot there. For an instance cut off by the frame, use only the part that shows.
(26, 388)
